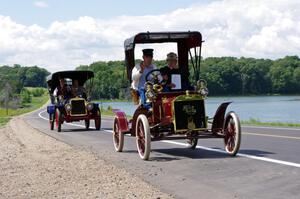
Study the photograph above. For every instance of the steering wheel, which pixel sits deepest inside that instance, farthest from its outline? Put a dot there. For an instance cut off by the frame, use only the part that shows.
(153, 77)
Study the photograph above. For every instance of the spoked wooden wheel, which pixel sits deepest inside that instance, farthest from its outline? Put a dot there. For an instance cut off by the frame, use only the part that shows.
(118, 137)
(192, 143)
(232, 131)
(87, 124)
(98, 120)
(143, 138)
(58, 119)
(51, 121)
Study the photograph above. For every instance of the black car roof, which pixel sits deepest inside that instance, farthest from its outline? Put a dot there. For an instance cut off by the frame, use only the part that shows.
(185, 40)
(193, 38)
(81, 76)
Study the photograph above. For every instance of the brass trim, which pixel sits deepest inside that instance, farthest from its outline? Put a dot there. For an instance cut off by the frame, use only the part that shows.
(183, 130)
(78, 99)
(187, 98)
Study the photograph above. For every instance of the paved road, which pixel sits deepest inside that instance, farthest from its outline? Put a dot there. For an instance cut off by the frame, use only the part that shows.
(268, 165)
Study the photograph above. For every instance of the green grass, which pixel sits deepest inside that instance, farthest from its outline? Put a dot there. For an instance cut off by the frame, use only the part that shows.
(36, 103)
(113, 100)
(107, 112)
(257, 122)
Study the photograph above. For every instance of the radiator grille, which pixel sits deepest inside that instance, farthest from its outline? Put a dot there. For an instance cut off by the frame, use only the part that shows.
(182, 115)
(78, 107)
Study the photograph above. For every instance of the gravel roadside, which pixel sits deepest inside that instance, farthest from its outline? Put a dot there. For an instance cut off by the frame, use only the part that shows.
(34, 165)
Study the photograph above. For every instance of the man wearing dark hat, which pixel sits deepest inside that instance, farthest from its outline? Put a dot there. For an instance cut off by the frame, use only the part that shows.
(139, 73)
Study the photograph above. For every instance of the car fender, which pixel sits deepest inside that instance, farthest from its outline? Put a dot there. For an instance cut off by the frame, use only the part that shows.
(218, 119)
(122, 120)
(51, 109)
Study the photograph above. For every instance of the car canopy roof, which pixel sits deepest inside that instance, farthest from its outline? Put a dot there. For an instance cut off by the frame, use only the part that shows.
(185, 41)
(81, 76)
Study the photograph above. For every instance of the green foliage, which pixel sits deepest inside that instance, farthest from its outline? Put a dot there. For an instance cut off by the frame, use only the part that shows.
(37, 92)
(257, 122)
(26, 96)
(19, 77)
(109, 81)
(224, 75)
(36, 103)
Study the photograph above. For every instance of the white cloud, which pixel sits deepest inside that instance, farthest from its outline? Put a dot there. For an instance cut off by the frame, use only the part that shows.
(40, 4)
(268, 29)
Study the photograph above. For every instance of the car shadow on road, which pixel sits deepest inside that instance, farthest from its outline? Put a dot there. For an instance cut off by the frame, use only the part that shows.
(190, 153)
(255, 152)
(79, 130)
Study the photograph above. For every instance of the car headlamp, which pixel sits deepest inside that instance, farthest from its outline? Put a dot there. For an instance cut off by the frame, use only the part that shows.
(89, 106)
(60, 98)
(204, 92)
(68, 107)
(202, 88)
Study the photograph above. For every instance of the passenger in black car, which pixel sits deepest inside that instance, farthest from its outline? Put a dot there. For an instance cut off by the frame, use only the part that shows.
(169, 70)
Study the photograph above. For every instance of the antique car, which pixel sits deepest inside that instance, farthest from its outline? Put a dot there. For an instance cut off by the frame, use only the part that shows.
(177, 114)
(69, 99)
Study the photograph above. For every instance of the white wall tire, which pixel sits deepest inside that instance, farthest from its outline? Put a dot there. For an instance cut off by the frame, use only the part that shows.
(118, 136)
(143, 137)
(232, 133)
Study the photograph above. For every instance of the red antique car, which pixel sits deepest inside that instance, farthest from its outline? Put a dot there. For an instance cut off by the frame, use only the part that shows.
(177, 114)
(73, 104)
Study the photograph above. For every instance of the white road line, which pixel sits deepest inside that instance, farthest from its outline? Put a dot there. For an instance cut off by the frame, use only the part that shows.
(276, 128)
(281, 162)
(239, 154)
(270, 135)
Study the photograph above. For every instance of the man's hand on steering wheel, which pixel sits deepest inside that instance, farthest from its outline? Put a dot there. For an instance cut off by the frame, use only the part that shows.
(154, 77)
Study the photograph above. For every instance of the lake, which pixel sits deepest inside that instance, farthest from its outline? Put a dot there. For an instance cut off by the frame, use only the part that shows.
(264, 108)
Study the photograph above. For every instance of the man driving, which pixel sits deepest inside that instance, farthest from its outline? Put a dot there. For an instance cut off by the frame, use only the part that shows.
(139, 73)
(62, 89)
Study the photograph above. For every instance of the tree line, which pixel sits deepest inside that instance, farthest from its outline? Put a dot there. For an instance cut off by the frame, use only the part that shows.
(14, 79)
(224, 76)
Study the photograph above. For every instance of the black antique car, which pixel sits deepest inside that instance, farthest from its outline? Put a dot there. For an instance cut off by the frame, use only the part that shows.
(69, 99)
(179, 114)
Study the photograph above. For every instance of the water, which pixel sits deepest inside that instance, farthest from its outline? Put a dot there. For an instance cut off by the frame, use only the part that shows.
(264, 108)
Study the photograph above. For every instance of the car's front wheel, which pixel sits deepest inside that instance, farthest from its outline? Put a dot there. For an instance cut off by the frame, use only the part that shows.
(98, 120)
(143, 137)
(58, 119)
(232, 133)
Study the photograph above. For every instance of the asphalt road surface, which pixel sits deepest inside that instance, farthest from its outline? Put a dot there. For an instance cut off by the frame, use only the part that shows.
(267, 166)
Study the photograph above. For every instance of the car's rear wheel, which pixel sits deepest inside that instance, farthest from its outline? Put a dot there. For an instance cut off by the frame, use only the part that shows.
(143, 137)
(51, 121)
(118, 136)
(87, 124)
(192, 143)
(98, 120)
(58, 119)
(232, 133)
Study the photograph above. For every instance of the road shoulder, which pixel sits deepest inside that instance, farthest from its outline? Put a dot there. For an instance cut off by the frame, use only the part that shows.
(34, 165)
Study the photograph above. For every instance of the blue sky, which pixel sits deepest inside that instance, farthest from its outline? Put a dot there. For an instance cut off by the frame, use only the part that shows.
(61, 34)
(26, 12)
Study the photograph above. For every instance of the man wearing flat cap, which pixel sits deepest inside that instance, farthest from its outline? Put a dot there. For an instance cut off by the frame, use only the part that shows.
(139, 73)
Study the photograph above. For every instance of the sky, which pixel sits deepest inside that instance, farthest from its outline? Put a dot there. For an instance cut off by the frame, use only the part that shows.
(63, 34)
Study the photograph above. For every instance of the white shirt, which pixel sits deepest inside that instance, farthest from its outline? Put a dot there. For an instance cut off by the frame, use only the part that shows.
(138, 79)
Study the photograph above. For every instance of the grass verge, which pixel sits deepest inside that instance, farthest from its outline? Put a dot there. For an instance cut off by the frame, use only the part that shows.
(257, 122)
(35, 103)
